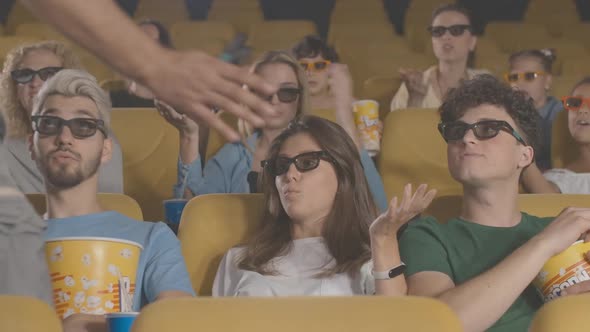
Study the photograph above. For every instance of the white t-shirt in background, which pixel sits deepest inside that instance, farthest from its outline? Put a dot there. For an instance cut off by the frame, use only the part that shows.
(569, 182)
(296, 274)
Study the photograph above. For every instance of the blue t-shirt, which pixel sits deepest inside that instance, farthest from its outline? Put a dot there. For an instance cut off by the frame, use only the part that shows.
(161, 265)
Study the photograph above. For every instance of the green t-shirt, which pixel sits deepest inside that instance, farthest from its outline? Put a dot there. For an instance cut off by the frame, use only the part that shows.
(463, 250)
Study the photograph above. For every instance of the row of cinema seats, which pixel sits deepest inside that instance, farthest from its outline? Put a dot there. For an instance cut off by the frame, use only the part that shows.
(208, 228)
(312, 314)
(365, 39)
(411, 151)
(212, 229)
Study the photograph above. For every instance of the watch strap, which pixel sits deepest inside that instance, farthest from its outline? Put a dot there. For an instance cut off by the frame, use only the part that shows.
(389, 274)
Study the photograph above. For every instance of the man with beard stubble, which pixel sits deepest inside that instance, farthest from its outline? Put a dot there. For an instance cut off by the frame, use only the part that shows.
(70, 141)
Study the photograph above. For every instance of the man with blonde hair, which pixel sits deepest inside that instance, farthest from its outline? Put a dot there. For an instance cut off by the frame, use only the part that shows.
(25, 70)
(70, 142)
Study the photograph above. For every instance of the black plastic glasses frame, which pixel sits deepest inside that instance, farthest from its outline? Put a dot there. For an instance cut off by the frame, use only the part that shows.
(80, 127)
(285, 95)
(455, 30)
(25, 75)
(486, 129)
(304, 162)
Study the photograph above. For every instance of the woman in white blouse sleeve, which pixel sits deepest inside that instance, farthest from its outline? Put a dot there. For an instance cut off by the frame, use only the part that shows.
(320, 233)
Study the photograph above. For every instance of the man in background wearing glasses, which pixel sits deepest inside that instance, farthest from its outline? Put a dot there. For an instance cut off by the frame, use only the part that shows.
(482, 262)
(70, 142)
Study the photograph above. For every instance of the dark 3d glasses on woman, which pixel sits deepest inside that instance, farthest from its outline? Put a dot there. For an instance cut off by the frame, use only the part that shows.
(455, 30)
(303, 162)
(25, 75)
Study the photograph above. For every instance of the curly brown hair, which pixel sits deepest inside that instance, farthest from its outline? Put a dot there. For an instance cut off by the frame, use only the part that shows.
(346, 228)
(486, 89)
(18, 120)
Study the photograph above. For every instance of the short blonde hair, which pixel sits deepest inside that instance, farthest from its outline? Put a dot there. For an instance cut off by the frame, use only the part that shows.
(75, 83)
(18, 122)
(274, 57)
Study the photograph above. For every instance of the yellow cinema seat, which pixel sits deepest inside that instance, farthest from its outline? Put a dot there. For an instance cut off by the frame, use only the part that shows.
(210, 226)
(150, 155)
(27, 314)
(565, 314)
(412, 151)
(295, 314)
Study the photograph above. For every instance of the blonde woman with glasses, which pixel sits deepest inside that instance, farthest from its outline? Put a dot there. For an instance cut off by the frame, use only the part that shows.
(235, 168)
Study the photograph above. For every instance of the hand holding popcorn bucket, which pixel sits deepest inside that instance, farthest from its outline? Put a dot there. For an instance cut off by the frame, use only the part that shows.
(92, 275)
(563, 270)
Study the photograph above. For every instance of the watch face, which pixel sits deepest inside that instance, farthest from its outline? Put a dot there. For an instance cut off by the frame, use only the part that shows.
(397, 271)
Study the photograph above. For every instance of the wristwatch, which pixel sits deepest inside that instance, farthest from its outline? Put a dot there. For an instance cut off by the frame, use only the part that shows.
(392, 273)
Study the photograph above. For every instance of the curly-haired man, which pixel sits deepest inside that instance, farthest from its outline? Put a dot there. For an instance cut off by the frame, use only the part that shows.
(482, 262)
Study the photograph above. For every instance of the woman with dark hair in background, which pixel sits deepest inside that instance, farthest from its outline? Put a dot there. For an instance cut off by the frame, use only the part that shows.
(452, 41)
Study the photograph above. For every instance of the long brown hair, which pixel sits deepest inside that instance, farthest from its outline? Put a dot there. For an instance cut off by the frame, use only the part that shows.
(346, 228)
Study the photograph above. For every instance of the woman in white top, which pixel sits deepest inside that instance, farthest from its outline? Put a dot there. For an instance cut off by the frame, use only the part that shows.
(453, 42)
(575, 177)
(315, 237)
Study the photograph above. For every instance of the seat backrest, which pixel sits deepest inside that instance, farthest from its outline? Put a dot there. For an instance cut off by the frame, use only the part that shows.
(325, 113)
(18, 14)
(168, 12)
(412, 151)
(192, 34)
(549, 205)
(7, 43)
(563, 146)
(278, 34)
(40, 31)
(27, 314)
(109, 201)
(382, 89)
(210, 226)
(150, 156)
(295, 314)
(541, 205)
(514, 36)
(566, 314)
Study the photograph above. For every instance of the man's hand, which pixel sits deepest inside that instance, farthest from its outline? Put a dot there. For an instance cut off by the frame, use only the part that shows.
(194, 83)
